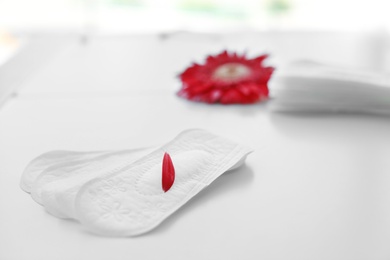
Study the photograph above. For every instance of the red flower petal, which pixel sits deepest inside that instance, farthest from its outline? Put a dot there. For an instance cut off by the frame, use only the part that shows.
(233, 96)
(168, 172)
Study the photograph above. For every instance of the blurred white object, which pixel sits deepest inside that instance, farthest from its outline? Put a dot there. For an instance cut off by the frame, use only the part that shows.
(307, 86)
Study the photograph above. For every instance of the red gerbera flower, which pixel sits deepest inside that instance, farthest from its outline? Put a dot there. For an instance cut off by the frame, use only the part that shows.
(227, 78)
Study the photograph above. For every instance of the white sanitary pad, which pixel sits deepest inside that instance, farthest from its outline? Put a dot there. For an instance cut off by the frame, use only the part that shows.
(119, 193)
(52, 159)
(313, 87)
(57, 186)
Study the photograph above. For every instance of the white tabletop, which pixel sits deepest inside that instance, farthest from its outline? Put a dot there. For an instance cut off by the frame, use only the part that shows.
(316, 187)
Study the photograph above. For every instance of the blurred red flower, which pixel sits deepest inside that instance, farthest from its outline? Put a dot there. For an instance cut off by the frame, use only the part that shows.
(227, 78)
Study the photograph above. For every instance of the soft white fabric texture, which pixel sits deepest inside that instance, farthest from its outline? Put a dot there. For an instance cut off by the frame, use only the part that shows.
(56, 187)
(52, 159)
(119, 193)
(131, 201)
(313, 87)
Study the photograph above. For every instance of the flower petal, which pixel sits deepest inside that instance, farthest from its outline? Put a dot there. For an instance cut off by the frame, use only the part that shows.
(168, 172)
(232, 96)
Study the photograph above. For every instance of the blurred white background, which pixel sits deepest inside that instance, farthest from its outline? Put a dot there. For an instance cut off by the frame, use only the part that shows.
(18, 17)
(199, 15)
(362, 25)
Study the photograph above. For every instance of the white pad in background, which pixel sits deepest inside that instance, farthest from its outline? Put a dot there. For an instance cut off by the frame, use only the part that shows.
(57, 186)
(131, 201)
(313, 87)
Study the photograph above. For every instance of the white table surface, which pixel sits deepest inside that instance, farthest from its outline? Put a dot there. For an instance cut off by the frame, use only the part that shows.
(316, 187)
